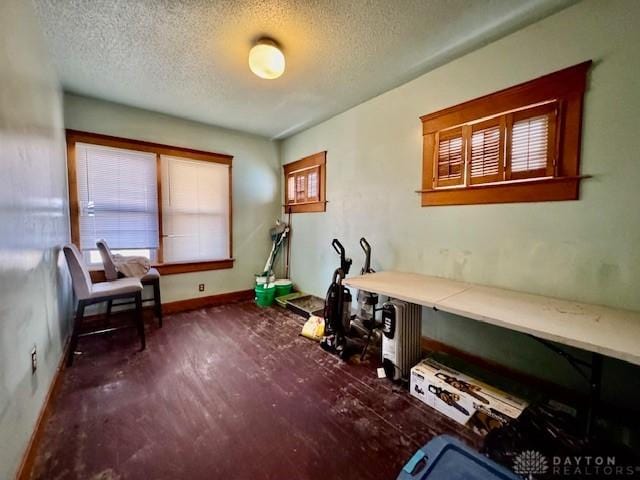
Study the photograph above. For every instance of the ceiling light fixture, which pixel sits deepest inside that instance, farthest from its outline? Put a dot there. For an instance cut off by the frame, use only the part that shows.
(266, 60)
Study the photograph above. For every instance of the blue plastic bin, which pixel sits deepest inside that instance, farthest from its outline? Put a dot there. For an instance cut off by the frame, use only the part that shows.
(445, 458)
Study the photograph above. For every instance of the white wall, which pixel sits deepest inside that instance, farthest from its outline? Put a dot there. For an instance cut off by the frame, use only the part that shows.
(587, 250)
(256, 183)
(34, 285)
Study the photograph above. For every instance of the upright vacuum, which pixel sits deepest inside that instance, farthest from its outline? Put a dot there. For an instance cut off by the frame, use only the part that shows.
(367, 301)
(337, 307)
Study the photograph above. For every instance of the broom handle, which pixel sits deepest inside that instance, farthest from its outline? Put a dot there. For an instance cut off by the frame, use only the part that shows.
(286, 266)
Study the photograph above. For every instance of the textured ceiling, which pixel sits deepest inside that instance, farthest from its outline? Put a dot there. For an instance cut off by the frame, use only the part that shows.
(189, 58)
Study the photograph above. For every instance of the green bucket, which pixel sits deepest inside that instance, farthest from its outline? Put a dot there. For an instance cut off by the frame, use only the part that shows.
(283, 287)
(265, 294)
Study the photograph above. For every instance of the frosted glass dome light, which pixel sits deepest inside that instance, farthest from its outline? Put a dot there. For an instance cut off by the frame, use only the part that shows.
(266, 60)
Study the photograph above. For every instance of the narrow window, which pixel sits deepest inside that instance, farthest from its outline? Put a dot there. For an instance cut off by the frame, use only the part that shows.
(521, 144)
(305, 181)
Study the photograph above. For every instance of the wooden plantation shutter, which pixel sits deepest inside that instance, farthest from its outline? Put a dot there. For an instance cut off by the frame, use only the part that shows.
(486, 152)
(291, 189)
(532, 142)
(449, 158)
(301, 188)
(313, 184)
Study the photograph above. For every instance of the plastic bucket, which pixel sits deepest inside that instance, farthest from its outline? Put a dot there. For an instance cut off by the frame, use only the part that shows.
(283, 287)
(265, 294)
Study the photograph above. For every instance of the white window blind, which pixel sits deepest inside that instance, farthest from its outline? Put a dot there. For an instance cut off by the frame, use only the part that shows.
(450, 160)
(195, 210)
(485, 154)
(529, 144)
(118, 197)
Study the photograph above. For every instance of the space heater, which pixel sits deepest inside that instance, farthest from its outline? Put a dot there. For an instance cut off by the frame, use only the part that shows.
(401, 322)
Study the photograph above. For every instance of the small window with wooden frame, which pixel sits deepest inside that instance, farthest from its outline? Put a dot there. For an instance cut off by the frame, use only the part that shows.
(170, 204)
(521, 144)
(305, 182)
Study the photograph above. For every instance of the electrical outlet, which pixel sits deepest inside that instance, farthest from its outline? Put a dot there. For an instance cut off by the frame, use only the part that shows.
(201, 287)
(34, 360)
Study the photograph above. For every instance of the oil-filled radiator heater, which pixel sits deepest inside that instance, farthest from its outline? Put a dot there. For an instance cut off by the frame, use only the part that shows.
(401, 322)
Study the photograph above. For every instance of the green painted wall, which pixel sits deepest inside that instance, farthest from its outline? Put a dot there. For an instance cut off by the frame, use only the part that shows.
(256, 187)
(587, 250)
(35, 290)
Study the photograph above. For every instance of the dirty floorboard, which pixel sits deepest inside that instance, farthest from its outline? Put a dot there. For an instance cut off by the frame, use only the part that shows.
(230, 392)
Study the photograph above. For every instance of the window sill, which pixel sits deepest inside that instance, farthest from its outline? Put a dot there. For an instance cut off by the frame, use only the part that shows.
(198, 266)
(97, 272)
(534, 190)
(306, 207)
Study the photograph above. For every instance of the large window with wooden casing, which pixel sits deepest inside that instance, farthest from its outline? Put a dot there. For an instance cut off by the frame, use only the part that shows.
(171, 205)
(521, 144)
(305, 181)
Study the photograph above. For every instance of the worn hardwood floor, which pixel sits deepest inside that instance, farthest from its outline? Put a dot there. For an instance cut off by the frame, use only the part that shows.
(230, 392)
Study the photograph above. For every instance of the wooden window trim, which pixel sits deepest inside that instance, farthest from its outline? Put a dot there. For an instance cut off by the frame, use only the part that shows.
(317, 161)
(564, 90)
(75, 136)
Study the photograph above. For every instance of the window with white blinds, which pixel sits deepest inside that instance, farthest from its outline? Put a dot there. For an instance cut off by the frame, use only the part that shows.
(195, 210)
(117, 197)
(486, 155)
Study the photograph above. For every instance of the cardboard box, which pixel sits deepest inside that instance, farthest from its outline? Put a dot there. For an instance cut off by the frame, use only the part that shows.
(462, 398)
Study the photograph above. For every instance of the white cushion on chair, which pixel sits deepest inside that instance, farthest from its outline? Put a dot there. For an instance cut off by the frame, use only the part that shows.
(116, 287)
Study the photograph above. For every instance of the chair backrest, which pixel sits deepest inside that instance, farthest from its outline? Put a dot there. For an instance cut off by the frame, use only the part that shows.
(80, 277)
(110, 271)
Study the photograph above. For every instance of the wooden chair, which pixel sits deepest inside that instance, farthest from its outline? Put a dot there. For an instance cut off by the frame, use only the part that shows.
(152, 278)
(89, 293)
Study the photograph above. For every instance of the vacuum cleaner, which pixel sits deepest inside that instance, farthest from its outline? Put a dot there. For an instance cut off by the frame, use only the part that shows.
(337, 308)
(367, 301)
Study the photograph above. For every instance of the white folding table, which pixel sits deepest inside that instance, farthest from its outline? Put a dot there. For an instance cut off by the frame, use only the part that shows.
(597, 329)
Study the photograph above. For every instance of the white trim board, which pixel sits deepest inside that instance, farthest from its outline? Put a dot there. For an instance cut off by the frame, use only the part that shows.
(611, 332)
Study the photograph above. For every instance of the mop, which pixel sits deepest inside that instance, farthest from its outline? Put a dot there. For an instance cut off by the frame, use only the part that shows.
(278, 235)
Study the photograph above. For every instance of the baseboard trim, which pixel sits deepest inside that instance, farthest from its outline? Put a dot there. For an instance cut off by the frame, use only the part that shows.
(208, 301)
(557, 391)
(183, 305)
(29, 456)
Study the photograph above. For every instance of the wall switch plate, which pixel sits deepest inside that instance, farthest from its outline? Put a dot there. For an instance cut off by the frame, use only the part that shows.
(34, 360)
(201, 287)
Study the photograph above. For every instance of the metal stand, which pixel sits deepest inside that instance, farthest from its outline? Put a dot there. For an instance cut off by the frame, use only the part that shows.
(370, 333)
(590, 371)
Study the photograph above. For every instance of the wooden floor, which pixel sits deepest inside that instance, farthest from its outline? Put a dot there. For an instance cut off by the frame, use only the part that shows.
(230, 392)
